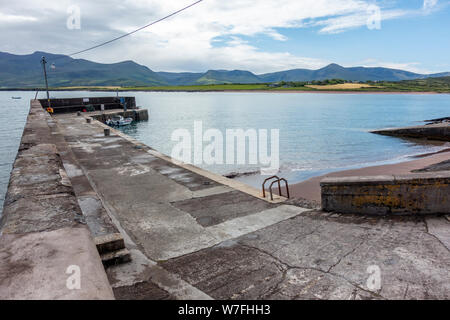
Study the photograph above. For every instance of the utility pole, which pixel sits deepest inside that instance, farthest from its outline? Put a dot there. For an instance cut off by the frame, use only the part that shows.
(46, 82)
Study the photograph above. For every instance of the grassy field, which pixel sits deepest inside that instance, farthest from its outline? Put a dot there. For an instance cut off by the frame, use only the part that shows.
(438, 85)
(208, 87)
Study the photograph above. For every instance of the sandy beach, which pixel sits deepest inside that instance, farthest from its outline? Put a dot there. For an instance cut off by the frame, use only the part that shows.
(310, 189)
(338, 92)
(289, 91)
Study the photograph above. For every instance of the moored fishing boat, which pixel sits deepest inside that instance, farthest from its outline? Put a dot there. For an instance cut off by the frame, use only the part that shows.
(119, 121)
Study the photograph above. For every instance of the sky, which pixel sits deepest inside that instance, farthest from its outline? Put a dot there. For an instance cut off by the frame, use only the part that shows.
(256, 35)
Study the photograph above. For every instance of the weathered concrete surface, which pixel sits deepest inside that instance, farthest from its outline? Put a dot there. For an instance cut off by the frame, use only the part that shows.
(440, 228)
(418, 193)
(321, 256)
(109, 241)
(436, 131)
(163, 209)
(43, 230)
(215, 209)
(144, 279)
(35, 265)
(167, 209)
(252, 248)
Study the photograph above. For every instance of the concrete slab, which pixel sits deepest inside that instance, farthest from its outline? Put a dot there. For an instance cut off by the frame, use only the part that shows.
(237, 227)
(315, 256)
(35, 266)
(440, 228)
(144, 279)
(211, 191)
(95, 216)
(214, 209)
(142, 291)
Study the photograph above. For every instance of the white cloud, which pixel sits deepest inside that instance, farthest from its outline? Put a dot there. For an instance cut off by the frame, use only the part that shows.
(186, 42)
(429, 4)
(356, 20)
(407, 66)
(10, 18)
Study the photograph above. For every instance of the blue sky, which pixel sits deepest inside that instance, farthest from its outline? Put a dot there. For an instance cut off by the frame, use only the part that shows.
(256, 35)
(418, 41)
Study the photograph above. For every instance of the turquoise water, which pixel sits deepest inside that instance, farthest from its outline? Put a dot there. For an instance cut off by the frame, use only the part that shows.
(319, 133)
(14, 115)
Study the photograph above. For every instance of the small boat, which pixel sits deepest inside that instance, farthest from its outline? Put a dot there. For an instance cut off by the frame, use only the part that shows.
(119, 121)
(16, 98)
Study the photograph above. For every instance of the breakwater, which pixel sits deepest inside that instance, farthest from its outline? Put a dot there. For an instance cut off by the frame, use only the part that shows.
(43, 231)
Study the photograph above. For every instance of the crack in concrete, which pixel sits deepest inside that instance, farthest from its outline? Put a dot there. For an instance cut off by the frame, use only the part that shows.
(406, 291)
(290, 267)
(347, 254)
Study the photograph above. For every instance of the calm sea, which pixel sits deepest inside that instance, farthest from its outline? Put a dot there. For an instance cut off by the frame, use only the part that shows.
(319, 133)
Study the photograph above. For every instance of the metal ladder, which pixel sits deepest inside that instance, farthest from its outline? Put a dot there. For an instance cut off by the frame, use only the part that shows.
(278, 180)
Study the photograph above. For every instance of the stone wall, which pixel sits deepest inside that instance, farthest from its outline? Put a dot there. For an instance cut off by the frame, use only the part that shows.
(421, 193)
(64, 105)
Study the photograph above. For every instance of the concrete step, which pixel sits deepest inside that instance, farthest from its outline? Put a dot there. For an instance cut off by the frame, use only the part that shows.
(115, 257)
(109, 243)
(107, 238)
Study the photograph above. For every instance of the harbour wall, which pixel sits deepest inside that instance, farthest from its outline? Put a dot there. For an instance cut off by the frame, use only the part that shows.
(135, 114)
(46, 245)
(64, 105)
(419, 193)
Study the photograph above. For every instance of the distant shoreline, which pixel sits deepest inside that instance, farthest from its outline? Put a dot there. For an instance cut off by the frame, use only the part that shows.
(235, 91)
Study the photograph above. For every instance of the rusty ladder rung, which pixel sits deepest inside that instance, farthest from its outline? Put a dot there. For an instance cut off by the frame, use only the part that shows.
(278, 180)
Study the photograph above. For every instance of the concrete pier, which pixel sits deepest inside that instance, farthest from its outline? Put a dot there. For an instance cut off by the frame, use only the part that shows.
(192, 234)
(43, 230)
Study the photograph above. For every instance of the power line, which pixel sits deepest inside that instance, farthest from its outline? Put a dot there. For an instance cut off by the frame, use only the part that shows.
(134, 31)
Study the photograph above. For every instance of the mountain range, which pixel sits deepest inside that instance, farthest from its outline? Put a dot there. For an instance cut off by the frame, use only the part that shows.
(20, 71)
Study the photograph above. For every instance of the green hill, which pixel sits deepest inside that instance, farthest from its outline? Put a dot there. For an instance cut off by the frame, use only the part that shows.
(25, 71)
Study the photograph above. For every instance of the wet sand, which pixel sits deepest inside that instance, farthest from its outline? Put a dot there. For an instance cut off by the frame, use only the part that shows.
(310, 189)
